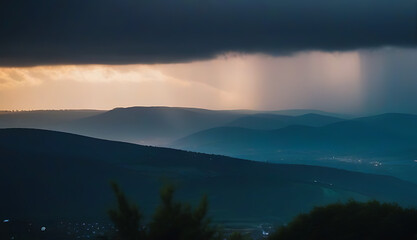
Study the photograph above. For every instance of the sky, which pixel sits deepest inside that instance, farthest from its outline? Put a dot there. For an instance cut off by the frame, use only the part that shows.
(356, 56)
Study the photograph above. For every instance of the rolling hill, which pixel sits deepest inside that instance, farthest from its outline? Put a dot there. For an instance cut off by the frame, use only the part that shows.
(398, 123)
(149, 125)
(45, 119)
(383, 144)
(274, 121)
(54, 175)
(154, 125)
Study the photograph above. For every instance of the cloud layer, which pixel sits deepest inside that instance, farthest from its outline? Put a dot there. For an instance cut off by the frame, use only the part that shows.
(44, 32)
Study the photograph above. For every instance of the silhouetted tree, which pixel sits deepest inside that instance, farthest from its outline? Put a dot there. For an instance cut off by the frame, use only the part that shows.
(178, 221)
(350, 221)
(238, 236)
(172, 220)
(126, 218)
(353, 220)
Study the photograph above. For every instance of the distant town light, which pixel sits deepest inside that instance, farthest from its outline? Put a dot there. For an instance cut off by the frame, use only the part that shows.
(6, 220)
(43, 229)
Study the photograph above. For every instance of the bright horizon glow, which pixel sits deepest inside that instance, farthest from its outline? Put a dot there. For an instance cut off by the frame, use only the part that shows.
(311, 80)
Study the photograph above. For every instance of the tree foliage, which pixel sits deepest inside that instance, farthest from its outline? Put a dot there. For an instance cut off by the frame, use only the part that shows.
(352, 221)
(239, 236)
(178, 221)
(126, 217)
(172, 220)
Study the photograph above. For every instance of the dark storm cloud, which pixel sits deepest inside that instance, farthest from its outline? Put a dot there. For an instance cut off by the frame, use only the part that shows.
(36, 32)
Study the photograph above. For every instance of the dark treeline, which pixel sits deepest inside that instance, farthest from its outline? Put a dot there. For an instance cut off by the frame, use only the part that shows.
(352, 220)
(179, 221)
(171, 220)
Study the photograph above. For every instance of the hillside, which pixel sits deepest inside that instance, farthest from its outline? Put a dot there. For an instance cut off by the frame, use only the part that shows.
(383, 144)
(275, 121)
(149, 125)
(399, 123)
(50, 175)
(45, 119)
(155, 125)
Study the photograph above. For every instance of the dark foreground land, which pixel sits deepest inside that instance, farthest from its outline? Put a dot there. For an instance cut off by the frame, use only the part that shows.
(51, 177)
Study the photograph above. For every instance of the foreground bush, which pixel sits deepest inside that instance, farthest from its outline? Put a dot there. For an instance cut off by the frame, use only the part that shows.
(172, 220)
(342, 221)
(352, 221)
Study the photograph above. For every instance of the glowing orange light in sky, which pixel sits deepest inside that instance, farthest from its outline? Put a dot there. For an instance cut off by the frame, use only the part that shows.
(232, 81)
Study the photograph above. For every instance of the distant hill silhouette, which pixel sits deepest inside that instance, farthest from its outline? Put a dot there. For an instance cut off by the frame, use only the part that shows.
(49, 175)
(299, 112)
(148, 125)
(42, 118)
(390, 139)
(274, 121)
(398, 123)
